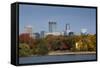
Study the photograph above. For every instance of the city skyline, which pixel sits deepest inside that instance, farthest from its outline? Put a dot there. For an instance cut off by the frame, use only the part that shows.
(39, 16)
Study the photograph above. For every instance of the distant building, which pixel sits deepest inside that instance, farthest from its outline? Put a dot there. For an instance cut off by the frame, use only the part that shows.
(67, 30)
(54, 33)
(28, 30)
(52, 29)
(66, 33)
(42, 34)
(52, 26)
(36, 35)
(84, 31)
(71, 33)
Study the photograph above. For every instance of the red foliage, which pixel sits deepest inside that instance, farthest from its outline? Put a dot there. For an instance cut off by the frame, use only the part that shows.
(64, 46)
(25, 38)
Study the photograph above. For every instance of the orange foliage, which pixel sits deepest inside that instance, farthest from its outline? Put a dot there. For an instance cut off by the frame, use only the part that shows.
(25, 38)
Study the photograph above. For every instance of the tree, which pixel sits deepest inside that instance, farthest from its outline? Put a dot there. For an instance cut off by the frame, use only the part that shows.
(55, 44)
(24, 50)
(69, 41)
(25, 38)
(91, 42)
(40, 49)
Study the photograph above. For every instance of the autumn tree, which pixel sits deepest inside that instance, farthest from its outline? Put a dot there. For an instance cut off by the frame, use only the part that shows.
(40, 49)
(25, 38)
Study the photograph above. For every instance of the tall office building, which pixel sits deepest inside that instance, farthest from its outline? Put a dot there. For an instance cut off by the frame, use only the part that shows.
(67, 26)
(67, 29)
(42, 34)
(52, 26)
(28, 29)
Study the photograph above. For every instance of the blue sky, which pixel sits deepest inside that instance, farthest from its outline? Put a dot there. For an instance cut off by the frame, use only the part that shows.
(39, 16)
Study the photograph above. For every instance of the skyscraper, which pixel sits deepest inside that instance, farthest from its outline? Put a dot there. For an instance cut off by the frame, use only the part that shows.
(52, 26)
(67, 26)
(42, 34)
(67, 29)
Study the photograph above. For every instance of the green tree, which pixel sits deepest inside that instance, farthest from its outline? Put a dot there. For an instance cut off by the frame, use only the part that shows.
(40, 49)
(24, 50)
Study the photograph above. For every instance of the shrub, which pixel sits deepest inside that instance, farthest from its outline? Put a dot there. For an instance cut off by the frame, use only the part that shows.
(24, 50)
(40, 49)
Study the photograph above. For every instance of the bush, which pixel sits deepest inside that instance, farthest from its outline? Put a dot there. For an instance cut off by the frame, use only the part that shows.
(24, 50)
(40, 49)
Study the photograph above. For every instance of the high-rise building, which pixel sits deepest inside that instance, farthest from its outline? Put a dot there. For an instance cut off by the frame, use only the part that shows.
(52, 26)
(67, 26)
(67, 29)
(42, 34)
(28, 30)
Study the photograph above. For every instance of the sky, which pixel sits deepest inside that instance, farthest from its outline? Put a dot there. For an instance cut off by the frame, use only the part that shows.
(38, 17)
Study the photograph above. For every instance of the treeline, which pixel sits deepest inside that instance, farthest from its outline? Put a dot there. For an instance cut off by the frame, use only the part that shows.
(29, 46)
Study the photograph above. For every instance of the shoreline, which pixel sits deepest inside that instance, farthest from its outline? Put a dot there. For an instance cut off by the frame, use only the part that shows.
(59, 53)
(71, 53)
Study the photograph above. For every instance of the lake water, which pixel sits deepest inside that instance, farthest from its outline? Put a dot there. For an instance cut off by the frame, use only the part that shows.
(41, 59)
